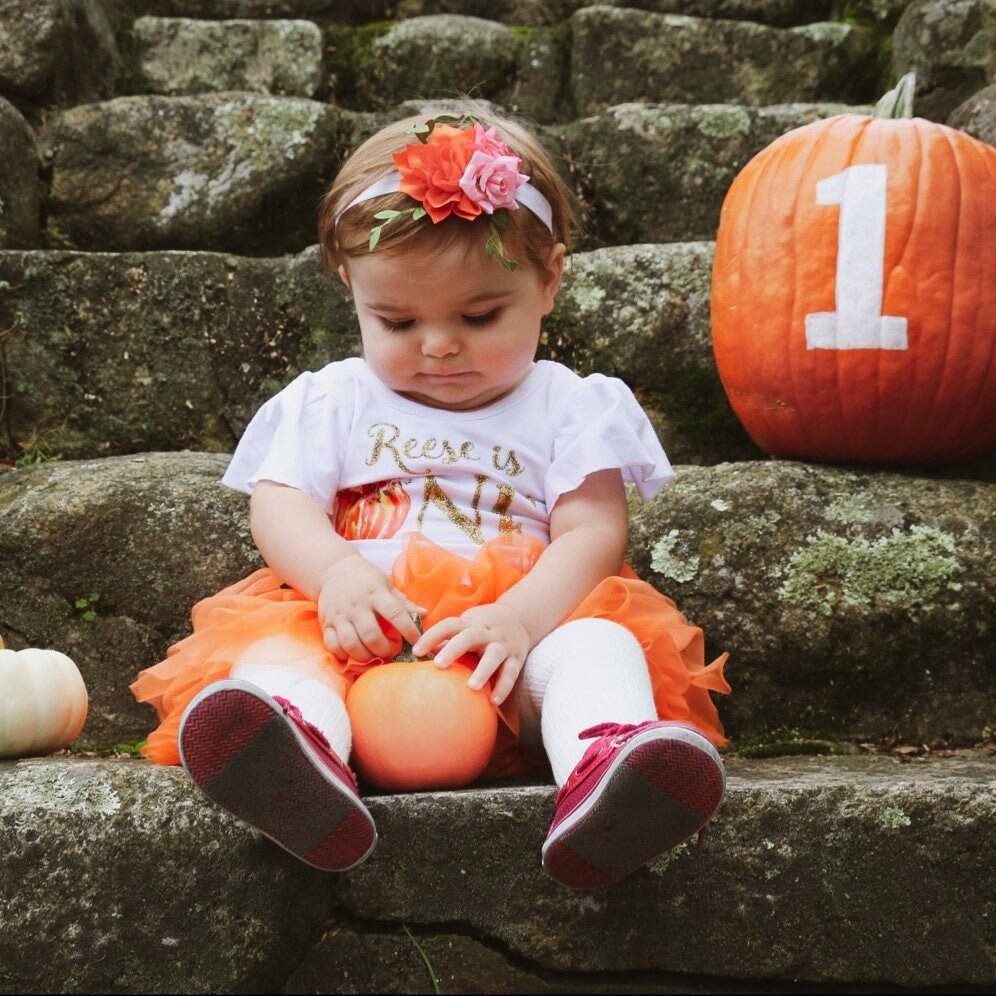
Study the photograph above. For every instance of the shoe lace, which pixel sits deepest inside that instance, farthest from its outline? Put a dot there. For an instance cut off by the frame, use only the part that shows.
(607, 737)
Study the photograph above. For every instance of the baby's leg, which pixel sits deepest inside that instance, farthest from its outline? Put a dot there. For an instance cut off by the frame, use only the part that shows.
(584, 673)
(268, 743)
(293, 670)
(642, 786)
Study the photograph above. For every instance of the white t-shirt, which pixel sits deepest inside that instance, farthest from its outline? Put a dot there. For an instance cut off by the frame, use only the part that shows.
(382, 466)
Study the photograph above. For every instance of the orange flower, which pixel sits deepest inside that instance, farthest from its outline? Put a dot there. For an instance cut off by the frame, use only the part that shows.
(431, 172)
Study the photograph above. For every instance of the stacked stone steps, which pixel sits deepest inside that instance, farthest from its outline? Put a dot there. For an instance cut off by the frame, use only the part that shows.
(844, 875)
(162, 281)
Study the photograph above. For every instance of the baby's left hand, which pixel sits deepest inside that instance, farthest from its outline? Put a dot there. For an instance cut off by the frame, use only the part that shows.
(493, 632)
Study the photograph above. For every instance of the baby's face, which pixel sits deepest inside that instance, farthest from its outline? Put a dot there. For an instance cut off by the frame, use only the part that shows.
(455, 331)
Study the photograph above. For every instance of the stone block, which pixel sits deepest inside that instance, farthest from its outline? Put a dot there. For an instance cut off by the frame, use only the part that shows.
(179, 56)
(60, 52)
(230, 171)
(660, 172)
(951, 46)
(843, 595)
(621, 55)
(19, 201)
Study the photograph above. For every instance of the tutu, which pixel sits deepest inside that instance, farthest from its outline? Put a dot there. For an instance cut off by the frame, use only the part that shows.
(261, 606)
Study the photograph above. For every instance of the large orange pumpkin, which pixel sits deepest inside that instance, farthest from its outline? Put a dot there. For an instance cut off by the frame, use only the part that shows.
(854, 291)
(417, 726)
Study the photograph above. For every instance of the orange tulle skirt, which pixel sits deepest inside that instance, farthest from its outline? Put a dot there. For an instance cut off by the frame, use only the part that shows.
(225, 625)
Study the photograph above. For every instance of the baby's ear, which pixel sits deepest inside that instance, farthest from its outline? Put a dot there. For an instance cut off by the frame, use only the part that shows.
(343, 275)
(554, 270)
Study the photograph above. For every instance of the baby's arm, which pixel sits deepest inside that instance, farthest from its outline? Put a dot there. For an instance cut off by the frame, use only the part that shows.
(589, 531)
(297, 540)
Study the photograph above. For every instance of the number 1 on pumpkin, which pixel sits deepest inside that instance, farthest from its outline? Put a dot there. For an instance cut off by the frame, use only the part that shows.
(858, 322)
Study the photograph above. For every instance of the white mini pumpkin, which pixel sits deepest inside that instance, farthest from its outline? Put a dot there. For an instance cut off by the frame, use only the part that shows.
(43, 702)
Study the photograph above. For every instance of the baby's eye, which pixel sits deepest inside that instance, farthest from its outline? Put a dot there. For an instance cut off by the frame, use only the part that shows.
(485, 319)
(396, 324)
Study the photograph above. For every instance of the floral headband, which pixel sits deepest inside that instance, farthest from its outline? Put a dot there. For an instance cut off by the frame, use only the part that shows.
(463, 171)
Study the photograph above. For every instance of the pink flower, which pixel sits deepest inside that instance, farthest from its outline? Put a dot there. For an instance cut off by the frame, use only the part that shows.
(492, 181)
(488, 141)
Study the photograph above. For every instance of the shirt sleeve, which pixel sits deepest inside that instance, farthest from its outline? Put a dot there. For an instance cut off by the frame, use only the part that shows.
(296, 438)
(603, 427)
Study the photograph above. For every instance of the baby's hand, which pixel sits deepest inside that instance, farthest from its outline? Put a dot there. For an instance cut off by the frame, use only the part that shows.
(354, 598)
(493, 632)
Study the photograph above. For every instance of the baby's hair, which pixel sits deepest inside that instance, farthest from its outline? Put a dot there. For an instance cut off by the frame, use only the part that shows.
(345, 234)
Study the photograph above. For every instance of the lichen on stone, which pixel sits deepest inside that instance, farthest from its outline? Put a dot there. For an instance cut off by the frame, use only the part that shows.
(665, 562)
(892, 818)
(902, 569)
(724, 121)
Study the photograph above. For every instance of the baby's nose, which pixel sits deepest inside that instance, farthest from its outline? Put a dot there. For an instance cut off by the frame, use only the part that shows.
(438, 342)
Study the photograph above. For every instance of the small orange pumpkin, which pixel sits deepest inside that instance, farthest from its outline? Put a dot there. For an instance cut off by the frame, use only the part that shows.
(854, 290)
(417, 726)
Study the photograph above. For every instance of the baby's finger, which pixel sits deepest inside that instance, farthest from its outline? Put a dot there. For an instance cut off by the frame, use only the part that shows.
(491, 660)
(332, 644)
(435, 635)
(506, 680)
(393, 611)
(468, 641)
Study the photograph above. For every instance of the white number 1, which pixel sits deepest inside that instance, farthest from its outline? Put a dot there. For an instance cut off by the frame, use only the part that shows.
(858, 322)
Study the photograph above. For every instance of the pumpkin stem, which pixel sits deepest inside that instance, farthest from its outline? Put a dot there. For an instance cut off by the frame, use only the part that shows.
(898, 102)
(406, 654)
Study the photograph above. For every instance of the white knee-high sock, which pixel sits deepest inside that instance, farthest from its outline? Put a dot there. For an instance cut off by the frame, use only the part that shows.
(597, 674)
(318, 703)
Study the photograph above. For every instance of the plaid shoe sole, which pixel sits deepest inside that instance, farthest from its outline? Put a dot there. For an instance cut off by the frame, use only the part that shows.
(252, 759)
(662, 786)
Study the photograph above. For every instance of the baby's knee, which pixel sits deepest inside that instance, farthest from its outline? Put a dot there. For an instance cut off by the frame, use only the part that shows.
(581, 636)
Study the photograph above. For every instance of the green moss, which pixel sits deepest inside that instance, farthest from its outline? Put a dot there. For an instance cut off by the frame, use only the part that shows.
(787, 748)
(90, 748)
(316, 347)
(903, 569)
(785, 741)
(347, 55)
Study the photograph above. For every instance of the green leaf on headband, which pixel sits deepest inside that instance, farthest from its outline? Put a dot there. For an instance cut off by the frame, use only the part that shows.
(423, 129)
(386, 217)
(494, 246)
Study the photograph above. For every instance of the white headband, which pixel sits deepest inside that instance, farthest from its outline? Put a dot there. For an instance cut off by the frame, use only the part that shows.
(526, 196)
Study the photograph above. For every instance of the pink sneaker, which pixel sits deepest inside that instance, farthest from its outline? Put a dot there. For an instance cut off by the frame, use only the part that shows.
(637, 792)
(257, 757)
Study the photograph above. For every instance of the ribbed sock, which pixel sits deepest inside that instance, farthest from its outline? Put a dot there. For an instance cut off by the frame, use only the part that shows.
(585, 672)
(318, 703)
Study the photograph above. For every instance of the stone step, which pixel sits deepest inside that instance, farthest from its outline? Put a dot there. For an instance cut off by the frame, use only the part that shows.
(842, 596)
(241, 172)
(846, 874)
(112, 353)
(550, 66)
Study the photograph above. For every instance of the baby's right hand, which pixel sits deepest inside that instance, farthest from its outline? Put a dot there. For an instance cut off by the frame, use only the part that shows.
(353, 600)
